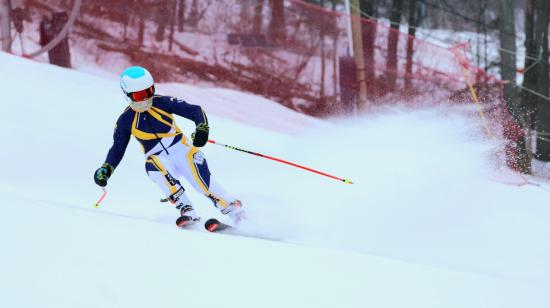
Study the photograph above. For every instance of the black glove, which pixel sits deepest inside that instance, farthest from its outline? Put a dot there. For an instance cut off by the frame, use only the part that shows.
(200, 136)
(101, 175)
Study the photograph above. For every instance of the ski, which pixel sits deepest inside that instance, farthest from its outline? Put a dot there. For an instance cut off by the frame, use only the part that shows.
(184, 221)
(214, 225)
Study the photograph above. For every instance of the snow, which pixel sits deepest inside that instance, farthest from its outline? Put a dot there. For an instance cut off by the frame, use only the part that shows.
(424, 225)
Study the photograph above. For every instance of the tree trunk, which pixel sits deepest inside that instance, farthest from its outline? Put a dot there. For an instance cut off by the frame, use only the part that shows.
(172, 24)
(335, 58)
(507, 35)
(125, 21)
(358, 52)
(393, 40)
(141, 31)
(258, 16)
(194, 15)
(163, 14)
(414, 22)
(527, 104)
(181, 15)
(542, 112)
(370, 12)
(485, 36)
(244, 14)
(49, 29)
(5, 25)
(535, 76)
(479, 23)
(322, 39)
(277, 31)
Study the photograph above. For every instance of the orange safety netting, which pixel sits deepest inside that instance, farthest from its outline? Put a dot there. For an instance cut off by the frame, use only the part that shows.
(293, 52)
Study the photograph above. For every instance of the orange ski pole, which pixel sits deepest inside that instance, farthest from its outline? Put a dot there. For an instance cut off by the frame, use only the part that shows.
(101, 198)
(281, 161)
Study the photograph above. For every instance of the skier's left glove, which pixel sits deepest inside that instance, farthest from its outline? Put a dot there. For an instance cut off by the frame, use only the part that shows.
(200, 136)
(102, 175)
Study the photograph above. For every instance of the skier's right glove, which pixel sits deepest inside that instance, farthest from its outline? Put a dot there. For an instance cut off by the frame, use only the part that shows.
(101, 175)
(200, 136)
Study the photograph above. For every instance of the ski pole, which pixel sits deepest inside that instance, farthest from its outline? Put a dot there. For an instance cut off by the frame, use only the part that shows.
(281, 161)
(102, 197)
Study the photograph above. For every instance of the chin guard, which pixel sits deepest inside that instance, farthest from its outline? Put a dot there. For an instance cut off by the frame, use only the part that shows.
(142, 106)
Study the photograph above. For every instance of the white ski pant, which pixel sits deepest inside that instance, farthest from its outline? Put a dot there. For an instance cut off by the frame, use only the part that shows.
(185, 161)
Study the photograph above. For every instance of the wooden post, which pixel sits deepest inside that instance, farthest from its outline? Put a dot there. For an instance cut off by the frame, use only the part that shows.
(358, 53)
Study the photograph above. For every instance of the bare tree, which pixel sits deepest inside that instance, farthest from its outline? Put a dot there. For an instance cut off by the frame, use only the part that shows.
(335, 56)
(536, 78)
(181, 15)
(357, 37)
(173, 18)
(369, 12)
(194, 14)
(323, 65)
(163, 16)
(414, 22)
(5, 25)
(393, 40)
(277, 25)
(141, 31)
(507, 35)
(542, 113)
(244, 11)
(258, 16)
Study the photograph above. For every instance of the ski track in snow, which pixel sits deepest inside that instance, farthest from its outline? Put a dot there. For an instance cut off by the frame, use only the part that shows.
(424, 225)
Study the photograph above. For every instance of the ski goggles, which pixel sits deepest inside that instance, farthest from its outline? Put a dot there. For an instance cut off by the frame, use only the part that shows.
(142, 95)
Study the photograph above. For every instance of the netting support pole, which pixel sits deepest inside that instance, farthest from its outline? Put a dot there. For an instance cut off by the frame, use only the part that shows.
(464, 66)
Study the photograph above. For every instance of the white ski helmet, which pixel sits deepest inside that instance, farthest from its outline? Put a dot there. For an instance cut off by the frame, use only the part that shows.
(137, 83)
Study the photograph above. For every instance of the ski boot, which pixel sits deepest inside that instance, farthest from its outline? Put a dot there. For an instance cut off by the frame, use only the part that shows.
(183, 204)
(234, 211)
(188, 215)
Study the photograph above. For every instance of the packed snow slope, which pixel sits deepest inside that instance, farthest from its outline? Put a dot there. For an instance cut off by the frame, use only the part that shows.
(424, 225)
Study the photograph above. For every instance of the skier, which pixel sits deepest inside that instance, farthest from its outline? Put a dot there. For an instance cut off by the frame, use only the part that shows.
(169, 154)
